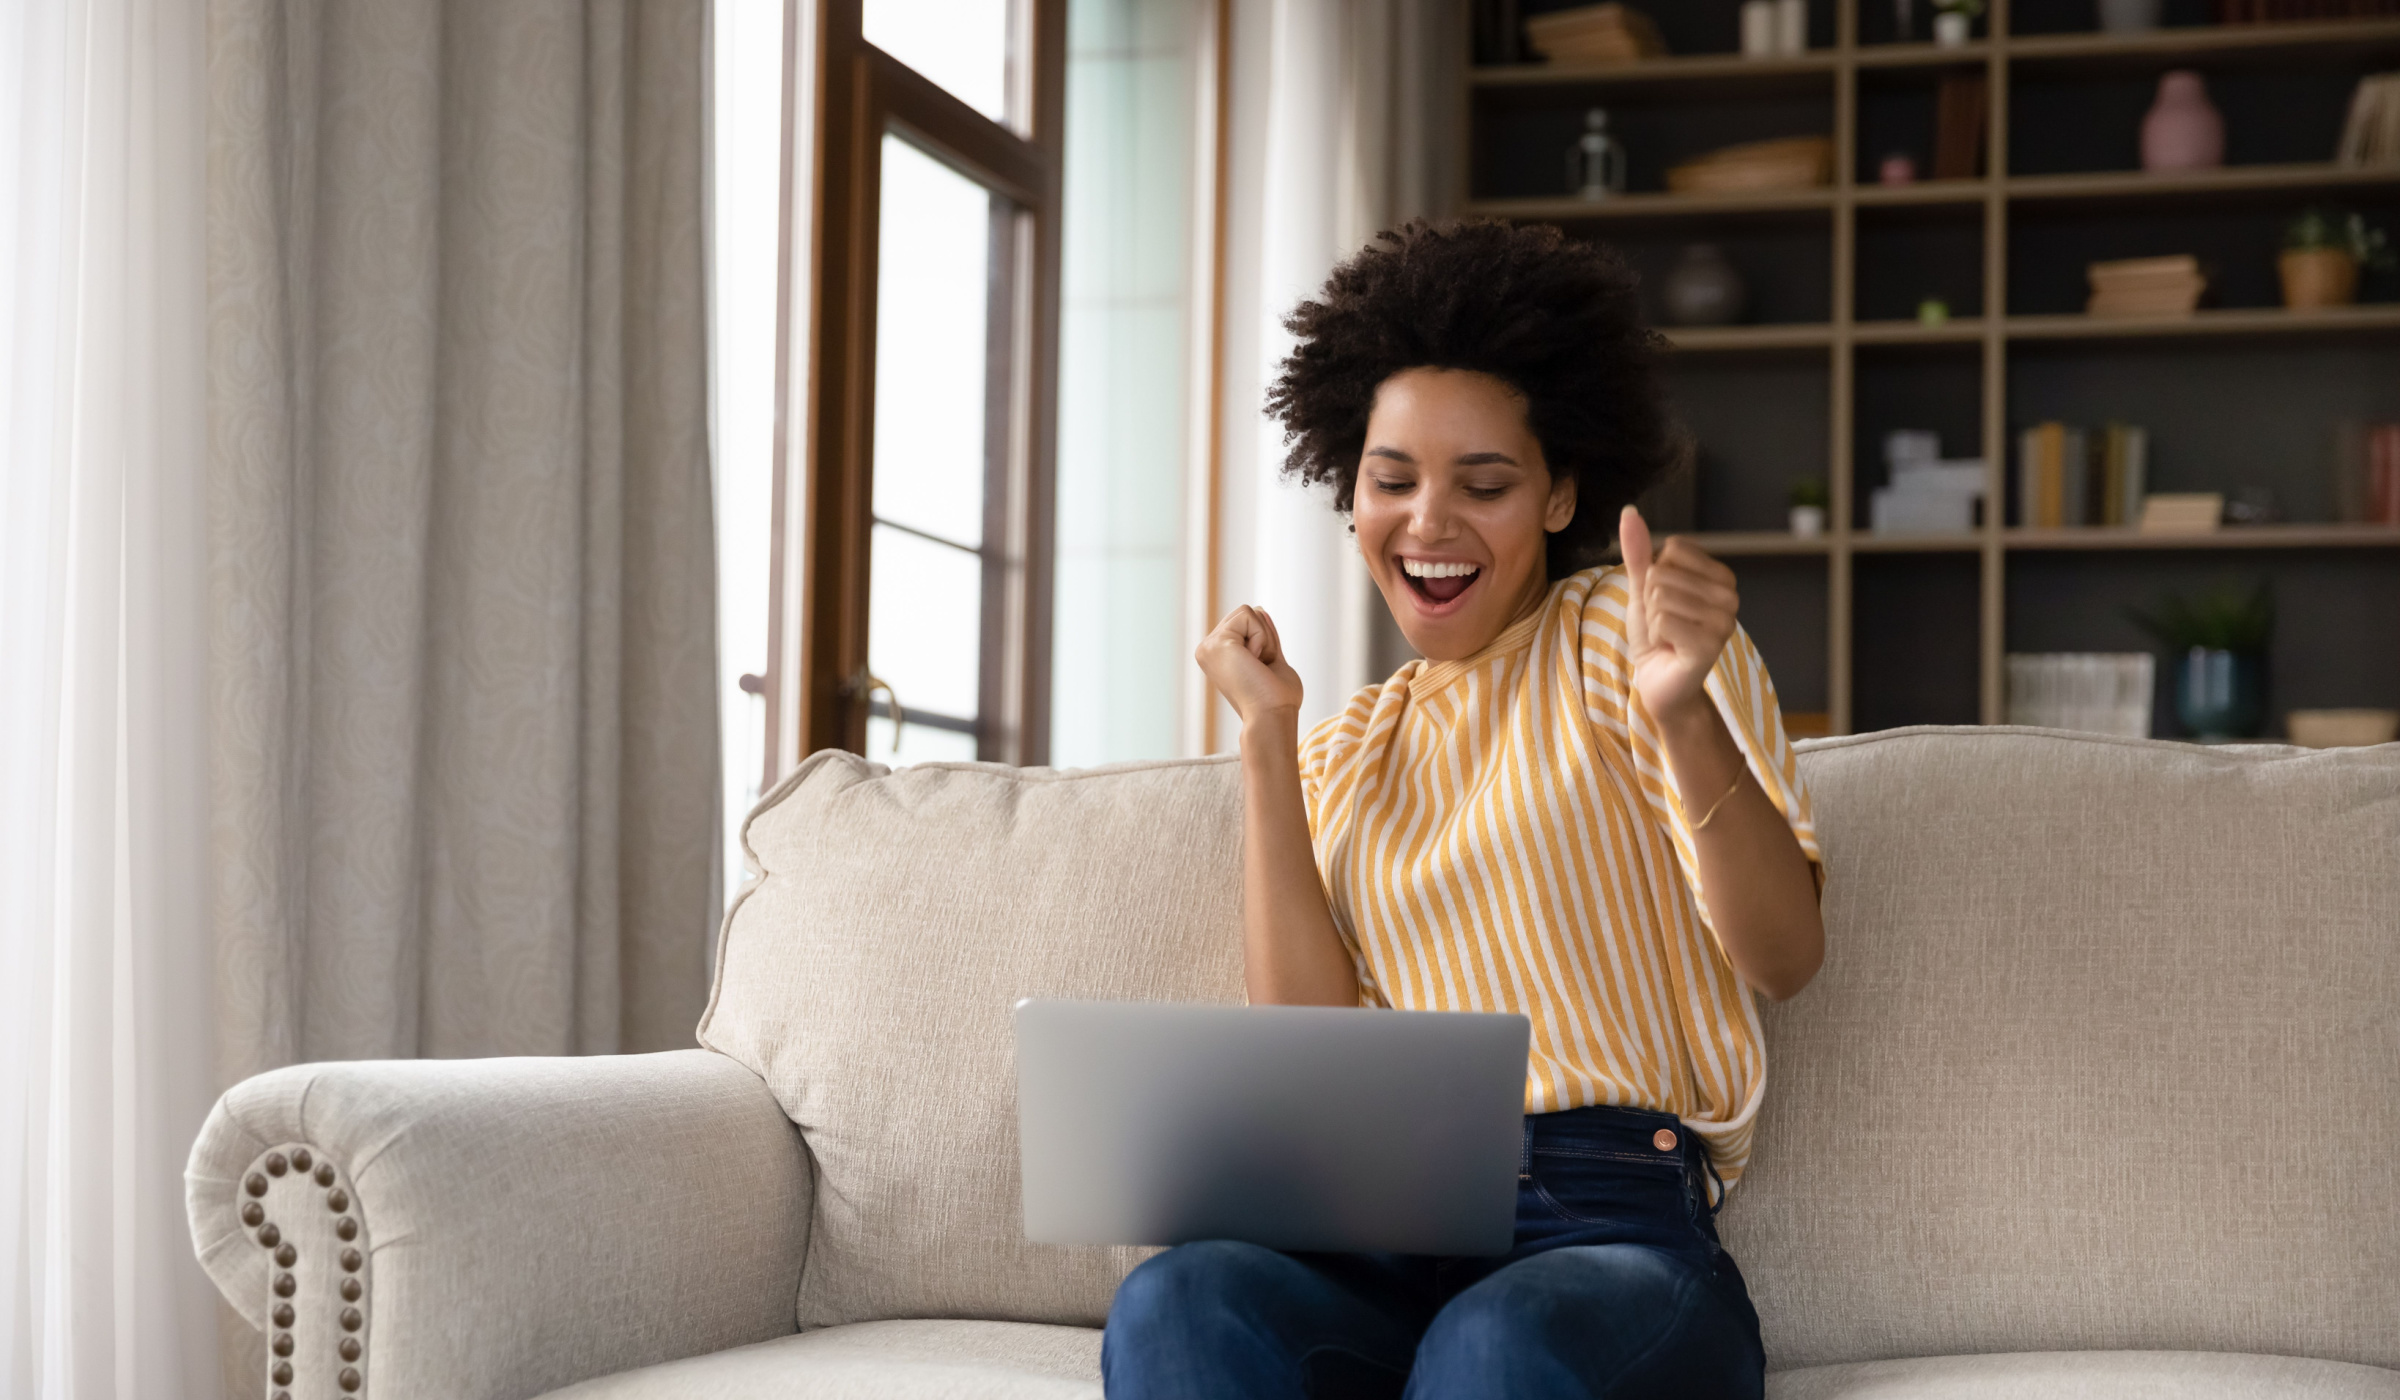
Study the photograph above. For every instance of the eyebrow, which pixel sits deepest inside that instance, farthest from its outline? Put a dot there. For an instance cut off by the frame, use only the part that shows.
(1471, 459)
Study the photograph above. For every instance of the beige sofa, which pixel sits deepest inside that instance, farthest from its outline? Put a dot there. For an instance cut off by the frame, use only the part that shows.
(2097, 1095)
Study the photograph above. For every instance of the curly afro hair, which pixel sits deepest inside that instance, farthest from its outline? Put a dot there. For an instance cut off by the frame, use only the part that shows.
(1556, 320)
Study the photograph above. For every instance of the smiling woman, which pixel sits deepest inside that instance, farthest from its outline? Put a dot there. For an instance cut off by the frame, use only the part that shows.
(1580, 806)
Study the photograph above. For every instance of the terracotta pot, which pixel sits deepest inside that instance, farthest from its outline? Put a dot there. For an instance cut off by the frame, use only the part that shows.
(2315, 277)
(2182, 130)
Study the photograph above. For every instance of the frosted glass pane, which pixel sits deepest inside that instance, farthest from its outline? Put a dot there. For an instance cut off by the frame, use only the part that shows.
(919, 743)
(961, 45)
(924, 622)
(933, 293)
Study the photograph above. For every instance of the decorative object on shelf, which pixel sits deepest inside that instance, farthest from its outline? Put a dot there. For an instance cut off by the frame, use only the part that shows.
(2323, 251)
(1933, 311)
(2168, 286)
(2342, 729)
(1958, 111)
(2068, 478)
(1809, 504)
(1598, 36)
(1755, 167)
(2219, 647)
(2182, 130)
(2366, 473)
(2253, 505)
(1703, 288)
(1596, 162)
(1927, 495)
(1954, 21)
(2089, 692)
(1758, 28)
(2371, 133)
(2182, 513)
(1791, 26)
(1898, 168)
(2129, 16)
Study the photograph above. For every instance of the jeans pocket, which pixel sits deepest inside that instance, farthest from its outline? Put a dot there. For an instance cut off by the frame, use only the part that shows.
(1592, 1188)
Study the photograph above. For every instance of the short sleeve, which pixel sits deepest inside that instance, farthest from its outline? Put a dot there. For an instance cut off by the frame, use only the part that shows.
(1745, 698)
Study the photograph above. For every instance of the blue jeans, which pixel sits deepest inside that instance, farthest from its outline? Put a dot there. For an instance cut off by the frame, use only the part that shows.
(1616, 1287)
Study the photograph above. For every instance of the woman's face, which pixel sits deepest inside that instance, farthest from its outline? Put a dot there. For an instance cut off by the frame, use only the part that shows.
(1454, 507)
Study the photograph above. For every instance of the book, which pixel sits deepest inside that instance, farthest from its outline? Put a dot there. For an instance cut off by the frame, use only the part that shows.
(2168, 286)
(1958, 108)
(2068, 477)
(2093, 692)
(2187, 513)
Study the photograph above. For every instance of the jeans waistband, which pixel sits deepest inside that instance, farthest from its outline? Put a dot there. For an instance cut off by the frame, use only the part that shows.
(1627, 1134)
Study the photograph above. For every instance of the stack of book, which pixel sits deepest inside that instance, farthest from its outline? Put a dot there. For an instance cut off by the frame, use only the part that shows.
(2169, 286)
(1599, 35)
(1928, 495)
(2068, 477)
(2371, 135)
(2093, 692)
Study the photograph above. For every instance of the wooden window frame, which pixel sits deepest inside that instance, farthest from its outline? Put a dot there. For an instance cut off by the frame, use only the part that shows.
(817, 680)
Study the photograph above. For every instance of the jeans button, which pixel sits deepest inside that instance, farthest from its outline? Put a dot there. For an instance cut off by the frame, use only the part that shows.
(1663, 1139)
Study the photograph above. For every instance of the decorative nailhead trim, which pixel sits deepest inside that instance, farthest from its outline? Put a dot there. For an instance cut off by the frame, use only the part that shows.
(303, 1165)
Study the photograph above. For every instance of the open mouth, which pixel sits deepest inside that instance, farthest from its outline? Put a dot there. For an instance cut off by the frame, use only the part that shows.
(1439, 583)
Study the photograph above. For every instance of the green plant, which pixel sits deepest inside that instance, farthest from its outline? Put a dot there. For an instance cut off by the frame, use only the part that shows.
(2226, 618)
(2324, 227)
(1810, 491)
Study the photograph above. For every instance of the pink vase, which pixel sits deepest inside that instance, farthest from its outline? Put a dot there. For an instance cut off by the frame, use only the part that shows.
(2183, 130)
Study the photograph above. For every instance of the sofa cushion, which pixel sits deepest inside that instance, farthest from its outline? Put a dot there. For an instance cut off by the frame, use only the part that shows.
(2102, 1055)
(867, 977)
(877, 1361)
(2089, 1375)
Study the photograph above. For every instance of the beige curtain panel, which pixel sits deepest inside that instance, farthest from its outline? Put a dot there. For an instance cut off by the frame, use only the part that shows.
(462, 571)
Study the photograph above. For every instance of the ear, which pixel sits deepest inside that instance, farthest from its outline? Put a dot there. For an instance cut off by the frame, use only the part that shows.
(1561, 509)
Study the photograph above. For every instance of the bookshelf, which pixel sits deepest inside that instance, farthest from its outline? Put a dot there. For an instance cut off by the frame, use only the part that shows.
(1879, 630)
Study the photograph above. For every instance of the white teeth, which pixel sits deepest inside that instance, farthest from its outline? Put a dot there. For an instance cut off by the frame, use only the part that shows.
(1418, 568)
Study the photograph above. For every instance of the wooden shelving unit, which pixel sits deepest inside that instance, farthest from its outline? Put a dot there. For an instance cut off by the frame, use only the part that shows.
(1878, 629)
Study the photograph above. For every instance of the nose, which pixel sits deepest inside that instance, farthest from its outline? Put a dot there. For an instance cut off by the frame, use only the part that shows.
(1431, 516)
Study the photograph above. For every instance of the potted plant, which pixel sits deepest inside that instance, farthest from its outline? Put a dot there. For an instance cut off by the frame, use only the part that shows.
(1954, 21)
(2323, 251)
(1809, 502)
(2217, 648)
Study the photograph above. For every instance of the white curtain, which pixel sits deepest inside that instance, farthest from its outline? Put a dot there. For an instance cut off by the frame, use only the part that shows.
(463, 635)
(1343, 125)
(105, 1027)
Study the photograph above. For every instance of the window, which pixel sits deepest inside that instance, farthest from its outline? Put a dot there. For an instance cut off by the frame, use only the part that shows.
(925, 423)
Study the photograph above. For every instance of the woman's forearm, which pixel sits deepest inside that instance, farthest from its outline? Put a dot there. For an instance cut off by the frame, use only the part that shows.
(1291, 952)
(1761, 896)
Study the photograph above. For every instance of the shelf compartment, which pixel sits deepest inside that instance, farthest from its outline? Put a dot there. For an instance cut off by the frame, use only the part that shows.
(1906, 256)
(2061, 124)
(2331, 648)
(1784, 609)
(2222, 415)
(1916, 650)
(1757, 423)
(1935, 388)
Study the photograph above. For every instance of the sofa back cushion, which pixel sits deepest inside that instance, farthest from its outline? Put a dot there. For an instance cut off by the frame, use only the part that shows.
(867, 977)
(2105, 1054)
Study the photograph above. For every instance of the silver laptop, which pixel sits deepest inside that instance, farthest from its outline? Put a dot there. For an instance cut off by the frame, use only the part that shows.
(1297, 1127)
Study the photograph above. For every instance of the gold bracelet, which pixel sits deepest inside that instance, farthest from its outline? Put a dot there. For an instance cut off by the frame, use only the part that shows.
(1702, 824)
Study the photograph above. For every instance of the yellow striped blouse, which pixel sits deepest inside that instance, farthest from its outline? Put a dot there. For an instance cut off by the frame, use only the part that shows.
(1503, 833)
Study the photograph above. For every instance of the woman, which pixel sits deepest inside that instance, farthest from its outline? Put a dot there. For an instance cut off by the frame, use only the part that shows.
(1579, 806)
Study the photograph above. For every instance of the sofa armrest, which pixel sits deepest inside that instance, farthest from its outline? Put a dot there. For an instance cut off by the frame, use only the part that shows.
(492, 1229)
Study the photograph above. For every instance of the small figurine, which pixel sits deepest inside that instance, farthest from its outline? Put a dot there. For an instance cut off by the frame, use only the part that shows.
(1596, 163)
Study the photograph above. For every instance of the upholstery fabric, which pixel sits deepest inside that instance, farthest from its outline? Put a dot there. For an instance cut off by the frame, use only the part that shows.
(868, 977)
(463, 677)
(878, 1361)
(2101, 1057)
(2089, 1375)
(527, 1222)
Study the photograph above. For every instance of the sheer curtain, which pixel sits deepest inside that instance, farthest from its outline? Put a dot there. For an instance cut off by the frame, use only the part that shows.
(105, 1026)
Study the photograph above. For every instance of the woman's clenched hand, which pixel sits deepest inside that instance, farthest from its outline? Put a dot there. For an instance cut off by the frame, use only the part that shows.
(1243, 659)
